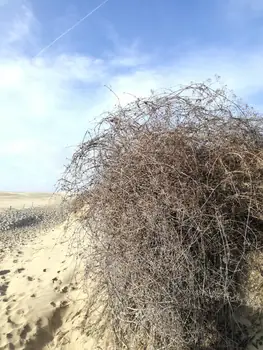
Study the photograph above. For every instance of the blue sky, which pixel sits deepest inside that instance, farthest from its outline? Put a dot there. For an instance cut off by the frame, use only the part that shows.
(50, 96)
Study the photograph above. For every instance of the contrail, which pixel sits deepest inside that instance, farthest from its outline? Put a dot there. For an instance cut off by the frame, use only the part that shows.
(70, 29)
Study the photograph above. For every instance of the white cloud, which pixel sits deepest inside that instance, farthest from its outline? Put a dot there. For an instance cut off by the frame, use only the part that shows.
(21, 26)
(46, 104)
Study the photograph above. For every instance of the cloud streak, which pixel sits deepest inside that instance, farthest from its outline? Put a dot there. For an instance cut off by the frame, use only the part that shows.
(70, 28)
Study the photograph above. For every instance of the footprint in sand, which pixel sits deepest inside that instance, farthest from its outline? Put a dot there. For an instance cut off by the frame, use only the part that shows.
(39, 323)
(12, 323)
(20, 312)
(8, 308)
(64, 290)
(29, 278)
(64, 303)
(4, 272)
(3, 288)
(72, 286)
(58, 286)
(20, 270)
(25, 331)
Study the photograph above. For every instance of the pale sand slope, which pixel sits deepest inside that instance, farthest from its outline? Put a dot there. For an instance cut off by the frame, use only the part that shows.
(42, 302)
(21, 200)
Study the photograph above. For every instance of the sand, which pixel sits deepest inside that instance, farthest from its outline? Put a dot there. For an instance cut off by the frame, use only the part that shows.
(42, 300)
(21, 200)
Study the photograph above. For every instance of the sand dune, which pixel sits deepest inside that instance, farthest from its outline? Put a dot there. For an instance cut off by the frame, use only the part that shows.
(21, 200)
(42, 302)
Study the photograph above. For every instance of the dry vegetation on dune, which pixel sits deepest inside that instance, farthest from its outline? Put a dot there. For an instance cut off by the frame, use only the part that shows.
(174, 190)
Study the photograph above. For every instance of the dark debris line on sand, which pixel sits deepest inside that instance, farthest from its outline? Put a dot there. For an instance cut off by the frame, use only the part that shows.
(19, 226)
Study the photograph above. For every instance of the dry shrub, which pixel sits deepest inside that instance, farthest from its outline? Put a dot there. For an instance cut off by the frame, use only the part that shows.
(174, 207)
(78, 201)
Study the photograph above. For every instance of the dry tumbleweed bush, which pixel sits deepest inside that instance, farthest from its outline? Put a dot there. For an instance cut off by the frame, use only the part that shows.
(173, 199)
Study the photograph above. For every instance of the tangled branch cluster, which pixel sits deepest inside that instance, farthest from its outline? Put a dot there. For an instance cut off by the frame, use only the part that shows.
(171, 194)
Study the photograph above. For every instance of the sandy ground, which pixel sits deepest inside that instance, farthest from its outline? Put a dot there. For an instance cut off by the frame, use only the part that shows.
(42, 302)
(42, 294)
(19, 200)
